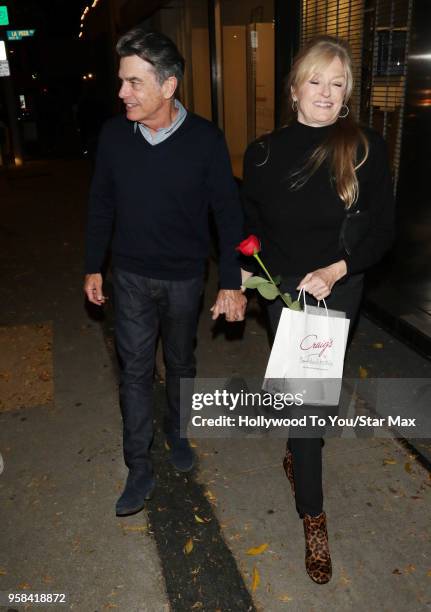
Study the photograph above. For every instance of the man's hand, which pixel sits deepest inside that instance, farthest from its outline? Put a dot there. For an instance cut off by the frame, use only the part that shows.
(231, 303)
(320, 282)
(93, 289)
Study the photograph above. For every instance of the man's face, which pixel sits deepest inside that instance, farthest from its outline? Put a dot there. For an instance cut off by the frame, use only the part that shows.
(140, 90)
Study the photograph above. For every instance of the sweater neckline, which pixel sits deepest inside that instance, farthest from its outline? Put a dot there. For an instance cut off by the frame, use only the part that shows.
(311, 131)
(160, 145)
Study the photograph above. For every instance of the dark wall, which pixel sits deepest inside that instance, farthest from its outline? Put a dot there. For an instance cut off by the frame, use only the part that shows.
(414, 194)
(401, 285)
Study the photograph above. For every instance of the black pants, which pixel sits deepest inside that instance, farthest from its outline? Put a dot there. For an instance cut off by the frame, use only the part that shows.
(307, 452)
(142, 307)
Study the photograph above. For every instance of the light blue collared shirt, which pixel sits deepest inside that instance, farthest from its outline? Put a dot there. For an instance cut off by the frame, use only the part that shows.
(163, 133)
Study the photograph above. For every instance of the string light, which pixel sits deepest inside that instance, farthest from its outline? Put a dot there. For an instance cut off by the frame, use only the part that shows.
(84, 14)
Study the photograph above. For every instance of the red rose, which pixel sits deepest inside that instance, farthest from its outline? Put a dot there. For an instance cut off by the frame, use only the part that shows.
(249, 246)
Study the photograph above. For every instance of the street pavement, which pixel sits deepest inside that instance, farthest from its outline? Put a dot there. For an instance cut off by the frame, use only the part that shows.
(192, 547)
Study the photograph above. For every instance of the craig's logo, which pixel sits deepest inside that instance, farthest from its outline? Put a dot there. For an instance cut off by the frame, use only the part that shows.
(311, 342)
(315, 350)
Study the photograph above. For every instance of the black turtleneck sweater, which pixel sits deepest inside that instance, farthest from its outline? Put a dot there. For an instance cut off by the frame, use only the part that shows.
(299, 230)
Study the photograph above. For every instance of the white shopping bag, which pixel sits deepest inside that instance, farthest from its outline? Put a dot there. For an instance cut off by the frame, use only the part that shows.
(307, 356)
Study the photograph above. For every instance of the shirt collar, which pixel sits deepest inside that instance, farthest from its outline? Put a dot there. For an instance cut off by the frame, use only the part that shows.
(165, 130)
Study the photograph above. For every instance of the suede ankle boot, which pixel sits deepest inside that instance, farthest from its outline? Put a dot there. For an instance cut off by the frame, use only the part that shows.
(317, 558)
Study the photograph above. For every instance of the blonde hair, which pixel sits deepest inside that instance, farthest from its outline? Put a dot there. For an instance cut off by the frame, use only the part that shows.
(342, 143)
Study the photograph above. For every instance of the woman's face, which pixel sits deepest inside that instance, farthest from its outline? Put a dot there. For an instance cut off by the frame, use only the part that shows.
(321, 97)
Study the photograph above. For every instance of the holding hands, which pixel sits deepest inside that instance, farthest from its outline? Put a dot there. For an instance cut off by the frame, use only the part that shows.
(231, 303)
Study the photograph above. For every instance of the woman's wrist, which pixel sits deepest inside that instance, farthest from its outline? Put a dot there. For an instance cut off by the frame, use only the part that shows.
(340, 269)
(245, 274)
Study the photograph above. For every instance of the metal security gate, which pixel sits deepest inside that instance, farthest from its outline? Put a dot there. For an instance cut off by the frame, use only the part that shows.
(378, 34)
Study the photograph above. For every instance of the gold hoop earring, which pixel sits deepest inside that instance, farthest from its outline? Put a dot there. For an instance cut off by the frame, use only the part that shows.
(294, 106)
(345, 113)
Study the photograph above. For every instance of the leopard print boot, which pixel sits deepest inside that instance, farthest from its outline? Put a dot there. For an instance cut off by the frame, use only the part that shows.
(317, 558)
(288, 468)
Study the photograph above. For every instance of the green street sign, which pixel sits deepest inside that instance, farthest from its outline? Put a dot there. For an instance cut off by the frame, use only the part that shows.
(19, 34)
(4, 18)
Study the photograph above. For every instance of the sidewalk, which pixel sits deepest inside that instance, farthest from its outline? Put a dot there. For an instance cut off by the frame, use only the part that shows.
(64, 469)
(63, 464)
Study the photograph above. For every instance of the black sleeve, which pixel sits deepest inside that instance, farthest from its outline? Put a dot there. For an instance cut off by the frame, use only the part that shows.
(381, 207)
(100, 217)
(255, 155)
(225, 204)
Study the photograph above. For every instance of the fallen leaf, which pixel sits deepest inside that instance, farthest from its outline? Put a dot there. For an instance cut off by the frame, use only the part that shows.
(197, 606)
(344, 579)
(363, 372)
(198, 519)
(139, 528)
(389, 462)
(409, 569)
(188, 546)
(257, 550)
(47, 579)
(429, 573)
(285, 598)
(378, 345)
(397, 571)
(255, 579)
(24, 585)
(3, 572)
(408, 467)
(210, 496)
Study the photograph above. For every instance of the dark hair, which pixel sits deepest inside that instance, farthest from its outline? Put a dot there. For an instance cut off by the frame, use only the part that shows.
(156, 49)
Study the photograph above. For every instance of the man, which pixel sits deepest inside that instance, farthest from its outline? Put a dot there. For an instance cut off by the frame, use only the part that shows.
(158, 170)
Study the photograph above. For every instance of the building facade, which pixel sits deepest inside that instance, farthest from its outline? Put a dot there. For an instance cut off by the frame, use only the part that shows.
(238, 54)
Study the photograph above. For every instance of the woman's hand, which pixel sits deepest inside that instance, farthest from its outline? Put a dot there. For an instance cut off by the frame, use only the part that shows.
(320, 282)
(244, 276)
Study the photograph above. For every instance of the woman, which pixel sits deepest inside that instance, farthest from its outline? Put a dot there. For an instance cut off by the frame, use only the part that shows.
(318, 195)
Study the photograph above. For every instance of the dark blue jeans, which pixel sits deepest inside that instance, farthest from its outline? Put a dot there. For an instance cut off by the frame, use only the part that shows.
(143, 307)
(307, 452)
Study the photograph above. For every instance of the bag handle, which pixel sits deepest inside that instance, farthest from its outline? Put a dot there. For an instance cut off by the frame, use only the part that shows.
(305, 303)
(303, 297)
(324, 303)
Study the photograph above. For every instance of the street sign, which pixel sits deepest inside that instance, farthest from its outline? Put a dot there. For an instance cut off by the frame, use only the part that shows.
(4, 18)
(4, 68)
(19, 34)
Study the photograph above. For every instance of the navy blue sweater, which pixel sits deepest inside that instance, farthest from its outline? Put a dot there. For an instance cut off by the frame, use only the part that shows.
(155, 199)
